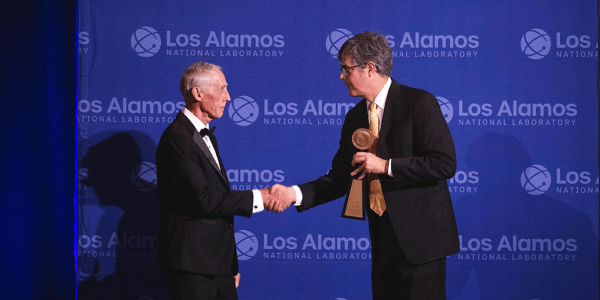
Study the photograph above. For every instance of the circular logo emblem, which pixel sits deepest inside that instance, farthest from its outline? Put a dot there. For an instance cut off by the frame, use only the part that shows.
(243, 110)
(536, 180)
(336, 39)
(246, 244)
(145, 41)
(447, 109)
(143, 177)
(536, 44)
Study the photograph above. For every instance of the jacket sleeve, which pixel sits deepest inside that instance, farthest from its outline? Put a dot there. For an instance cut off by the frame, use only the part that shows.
(433, 155)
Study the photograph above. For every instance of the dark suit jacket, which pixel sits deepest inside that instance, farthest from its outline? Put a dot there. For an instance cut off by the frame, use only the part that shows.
(415, 135)
(196, 204)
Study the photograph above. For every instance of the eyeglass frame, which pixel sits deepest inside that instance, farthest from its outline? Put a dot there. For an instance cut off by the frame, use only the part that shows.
(345, 70)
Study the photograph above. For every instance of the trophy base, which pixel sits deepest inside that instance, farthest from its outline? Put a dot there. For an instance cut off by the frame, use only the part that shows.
(354, 205)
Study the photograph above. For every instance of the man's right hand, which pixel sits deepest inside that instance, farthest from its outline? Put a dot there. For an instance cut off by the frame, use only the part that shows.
(278, 197)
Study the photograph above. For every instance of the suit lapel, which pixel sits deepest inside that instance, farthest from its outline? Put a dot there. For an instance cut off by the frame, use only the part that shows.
(202, 145)
(200, 142)
(389, 112)
(363, 114)
(213, 140)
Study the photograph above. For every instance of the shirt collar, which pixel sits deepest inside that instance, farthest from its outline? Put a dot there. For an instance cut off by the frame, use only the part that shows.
(382, 96)
(195, 121)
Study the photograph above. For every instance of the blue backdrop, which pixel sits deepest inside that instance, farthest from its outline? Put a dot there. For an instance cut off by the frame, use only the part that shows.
(516, 81)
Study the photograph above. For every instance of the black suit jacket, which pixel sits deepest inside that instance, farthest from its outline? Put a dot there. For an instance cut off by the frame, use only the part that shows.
(196, 204)
(415, 135)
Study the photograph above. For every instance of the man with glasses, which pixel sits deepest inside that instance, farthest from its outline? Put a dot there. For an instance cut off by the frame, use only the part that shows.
(411, 218)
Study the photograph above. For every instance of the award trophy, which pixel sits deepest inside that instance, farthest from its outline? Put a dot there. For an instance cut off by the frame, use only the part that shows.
(354, 205)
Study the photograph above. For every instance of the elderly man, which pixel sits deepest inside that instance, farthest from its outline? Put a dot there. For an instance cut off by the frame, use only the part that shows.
(196, 234)
(411, 218)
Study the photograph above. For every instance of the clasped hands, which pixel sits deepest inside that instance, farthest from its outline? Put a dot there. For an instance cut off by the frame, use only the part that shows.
(278, 197)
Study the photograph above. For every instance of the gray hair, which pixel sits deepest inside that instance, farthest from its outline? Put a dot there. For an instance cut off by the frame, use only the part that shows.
(197, 75)
(369, 47)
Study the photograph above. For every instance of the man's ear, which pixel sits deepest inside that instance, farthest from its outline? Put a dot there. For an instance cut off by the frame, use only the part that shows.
(371, 68)
(197, 93)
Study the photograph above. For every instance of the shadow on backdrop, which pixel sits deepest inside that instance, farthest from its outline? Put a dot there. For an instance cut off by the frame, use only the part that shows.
(515, 245)
(117, 218)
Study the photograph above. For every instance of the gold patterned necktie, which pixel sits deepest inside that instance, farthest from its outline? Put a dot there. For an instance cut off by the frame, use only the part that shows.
(375, 192)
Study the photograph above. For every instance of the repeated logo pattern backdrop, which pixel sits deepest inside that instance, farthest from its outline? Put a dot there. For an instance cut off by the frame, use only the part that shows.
(516, 82)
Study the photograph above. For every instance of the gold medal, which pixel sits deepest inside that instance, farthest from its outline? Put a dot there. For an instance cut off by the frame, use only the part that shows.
(362, 138)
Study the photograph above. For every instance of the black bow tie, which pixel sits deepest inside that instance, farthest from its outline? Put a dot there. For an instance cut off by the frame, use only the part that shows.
(205, 131)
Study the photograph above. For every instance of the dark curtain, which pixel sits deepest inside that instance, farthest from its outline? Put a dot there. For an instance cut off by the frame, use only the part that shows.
(38, 44)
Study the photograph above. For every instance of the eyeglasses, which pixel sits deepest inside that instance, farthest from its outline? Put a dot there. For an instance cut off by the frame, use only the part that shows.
(346, 70)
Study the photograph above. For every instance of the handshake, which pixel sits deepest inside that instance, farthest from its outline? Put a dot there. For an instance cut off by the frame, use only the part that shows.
(278, 197)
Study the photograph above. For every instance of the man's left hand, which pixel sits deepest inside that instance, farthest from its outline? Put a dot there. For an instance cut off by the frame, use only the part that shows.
(370, 164)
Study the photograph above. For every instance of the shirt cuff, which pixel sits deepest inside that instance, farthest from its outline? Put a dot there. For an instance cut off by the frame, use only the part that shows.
(298, 195)
(257, 205)
(389, 170)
